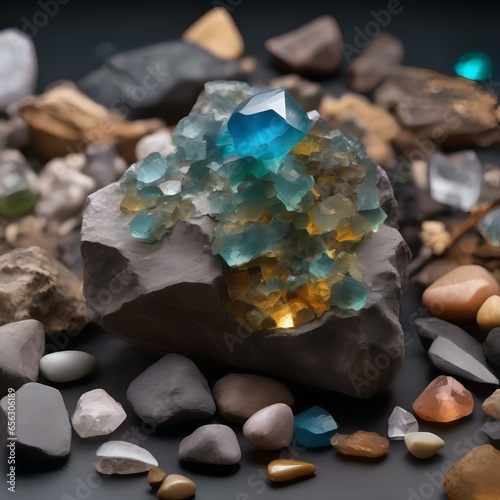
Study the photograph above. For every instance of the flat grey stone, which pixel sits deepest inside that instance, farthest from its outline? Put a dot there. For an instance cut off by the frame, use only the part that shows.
(453, 360)
(491, 347)
(213, 444)
(22, 345)
(43, 429)
(161, 80)
(168, 297)
(170, 391)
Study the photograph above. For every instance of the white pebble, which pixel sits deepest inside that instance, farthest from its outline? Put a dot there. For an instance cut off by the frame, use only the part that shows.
(66, 366)
(423, 444)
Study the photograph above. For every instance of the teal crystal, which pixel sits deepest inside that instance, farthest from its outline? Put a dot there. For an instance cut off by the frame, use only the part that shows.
(268, 124)
(314, 427)
(291, 200)
(474, 66)
(489, 226)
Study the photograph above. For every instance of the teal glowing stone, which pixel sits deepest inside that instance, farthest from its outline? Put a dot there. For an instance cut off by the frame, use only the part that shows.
(268, 125)
(474, 66)
(314, 427)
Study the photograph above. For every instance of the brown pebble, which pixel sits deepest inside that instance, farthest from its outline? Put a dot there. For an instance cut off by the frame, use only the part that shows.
(176, 487)
(287, 470)
(491, 406)
(458, 295)
(361, 444)
(156, 477)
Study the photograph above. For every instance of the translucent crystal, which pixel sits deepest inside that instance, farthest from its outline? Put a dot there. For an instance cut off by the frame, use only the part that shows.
(149, 226)
(401, 422)
(97, 414)
(268, 124)
(489, 226)
(151, 169)
(474, 66)
(314, 427)
(456, 179)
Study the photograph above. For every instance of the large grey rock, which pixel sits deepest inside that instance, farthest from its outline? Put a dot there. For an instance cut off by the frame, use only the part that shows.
(172, 390)
(162, 80)
(167, 297)
(22, 345)
(43, 429)
(19, 68)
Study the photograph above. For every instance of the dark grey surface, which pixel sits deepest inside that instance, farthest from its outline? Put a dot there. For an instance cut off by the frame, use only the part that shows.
(76, 40)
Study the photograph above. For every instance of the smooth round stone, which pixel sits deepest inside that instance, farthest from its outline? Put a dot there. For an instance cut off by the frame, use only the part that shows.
(491, 347)
(66, 366)
(458, 295)
(475, 476)
(176, 487)
(287, 470)
(270, 428)
(239, 396)
(423, 444)
(488, 316)
(121, 457)
(156, 477)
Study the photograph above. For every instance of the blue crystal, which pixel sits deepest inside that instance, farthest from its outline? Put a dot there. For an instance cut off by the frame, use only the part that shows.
(268, 124)
(349, 294)
(151, 169)
(489, 226)
(314, 427)
(474, 66)
(149, 227)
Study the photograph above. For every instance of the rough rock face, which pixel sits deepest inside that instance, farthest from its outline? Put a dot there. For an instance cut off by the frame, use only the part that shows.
(167, 297)
(33, 285)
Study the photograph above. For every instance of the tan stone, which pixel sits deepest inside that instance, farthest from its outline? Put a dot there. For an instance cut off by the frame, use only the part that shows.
(216, 32)
(423, 444)
(287, 470)
(475, 476)
(444, 400)
(156, 477)
(458, 295)
(491, 405)
(176, 487)
(64, 120)
(488, 316)
(361, 444)
(378, 127)
(33, 285)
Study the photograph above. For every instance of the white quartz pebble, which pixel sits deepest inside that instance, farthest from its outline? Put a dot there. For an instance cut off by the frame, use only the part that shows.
(270, 428)
(121, 457)
(66, 366)
(401, 422)
(423, 444)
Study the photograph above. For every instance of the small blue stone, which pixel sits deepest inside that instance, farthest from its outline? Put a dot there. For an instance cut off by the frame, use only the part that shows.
(268, 125)
(474, 66)
(314, 427)
(151, 169)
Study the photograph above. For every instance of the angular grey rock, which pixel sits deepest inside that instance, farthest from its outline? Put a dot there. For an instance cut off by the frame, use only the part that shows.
(453, 360)
(213, 444)
(492, 429)
(43, 429)
(170, 391)
(19, 68)
(22, 345)
(491, 347)
(162, 80)
(168, 298)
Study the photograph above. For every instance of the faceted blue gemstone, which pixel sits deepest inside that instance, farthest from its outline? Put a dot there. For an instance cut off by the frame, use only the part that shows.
(268, 124)
(148, 226)
(474, 66)
(151, 169)
(349, 294)
(314, 427)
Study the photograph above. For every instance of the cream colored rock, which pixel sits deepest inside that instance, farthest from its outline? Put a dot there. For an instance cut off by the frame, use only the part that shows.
(176, 487)
(216, 32)
(423, 444)
(458, 295)
(239, 396)
(488, 316)
(491, 406)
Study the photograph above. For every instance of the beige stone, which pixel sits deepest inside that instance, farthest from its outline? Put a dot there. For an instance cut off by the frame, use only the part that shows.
(176, 487)
(423, 444)
(361, 444)
(491, 406)
(458, 295)
(33, 285)
(488, 316)
(287, 470)
(156, 477)
(475, 476)
(216, 32)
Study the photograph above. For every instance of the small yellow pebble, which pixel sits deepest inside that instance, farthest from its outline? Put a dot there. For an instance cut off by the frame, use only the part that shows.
(488, 316)
(176, 487)
(156, 477)
(286, 470)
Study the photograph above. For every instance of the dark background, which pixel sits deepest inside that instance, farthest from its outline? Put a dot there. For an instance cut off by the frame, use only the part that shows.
(77, 39)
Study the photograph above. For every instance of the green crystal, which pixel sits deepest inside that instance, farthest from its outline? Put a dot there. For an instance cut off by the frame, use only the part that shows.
(474, 66)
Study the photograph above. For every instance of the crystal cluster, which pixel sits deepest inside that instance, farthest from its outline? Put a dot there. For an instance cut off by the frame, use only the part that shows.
(292, 198)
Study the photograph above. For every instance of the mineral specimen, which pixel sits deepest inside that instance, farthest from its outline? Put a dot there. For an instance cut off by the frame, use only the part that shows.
(314, 427)
(489, 226)
(361, 444)
(491, 405)
(121, 457)
(287, 470)
(171, 294)
(444, 400)
(401, 422)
